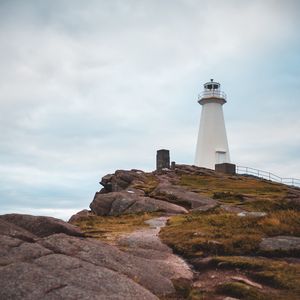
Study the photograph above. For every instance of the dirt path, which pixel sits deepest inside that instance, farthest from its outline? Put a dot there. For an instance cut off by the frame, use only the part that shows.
(145, 243)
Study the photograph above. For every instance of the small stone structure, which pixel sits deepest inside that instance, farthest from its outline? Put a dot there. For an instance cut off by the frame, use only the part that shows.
(162, 159)
(226, 168)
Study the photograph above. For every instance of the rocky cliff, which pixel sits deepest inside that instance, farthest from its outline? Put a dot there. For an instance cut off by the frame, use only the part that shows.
(187, 233)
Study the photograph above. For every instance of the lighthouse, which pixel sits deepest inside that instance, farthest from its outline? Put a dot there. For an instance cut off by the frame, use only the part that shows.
(212, 146)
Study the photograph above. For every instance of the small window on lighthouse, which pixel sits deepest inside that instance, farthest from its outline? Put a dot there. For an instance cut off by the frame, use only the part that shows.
(215, 86)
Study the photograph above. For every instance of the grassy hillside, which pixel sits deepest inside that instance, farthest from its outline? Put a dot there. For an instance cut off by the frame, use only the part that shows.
(241, 191)
(224, 244)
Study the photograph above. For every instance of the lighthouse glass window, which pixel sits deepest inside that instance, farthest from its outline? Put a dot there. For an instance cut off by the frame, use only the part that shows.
(212, 86)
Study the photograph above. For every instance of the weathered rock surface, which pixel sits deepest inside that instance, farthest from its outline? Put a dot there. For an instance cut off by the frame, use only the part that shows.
(145, 243)
(120, 195)
(80, 214)
(194, 170)
(281, 245)
(121, 180)
(116, 203)
(13, 231)
(41, 226)
(57, 276)
(65, 267)
(60, 266)
(110, 257)
(169, 192)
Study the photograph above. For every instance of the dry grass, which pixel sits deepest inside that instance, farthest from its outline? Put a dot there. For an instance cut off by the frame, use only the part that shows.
(277, 274)
(229, 239)
(246, 192)
(234, 241)
(110, 228)
(226, 234)
(239, 184)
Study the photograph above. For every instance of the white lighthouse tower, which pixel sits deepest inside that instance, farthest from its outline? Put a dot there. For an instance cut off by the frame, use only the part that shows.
(212, 145)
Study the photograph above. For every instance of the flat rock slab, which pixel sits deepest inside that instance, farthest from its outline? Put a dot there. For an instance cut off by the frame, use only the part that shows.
(284, 244)
(57, 276)
(146, 243)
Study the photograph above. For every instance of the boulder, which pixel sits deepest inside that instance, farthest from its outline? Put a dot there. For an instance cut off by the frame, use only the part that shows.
(102, 205)
(280, 245)
(41, 226)
(126, 202)
(123, 201)
(121, 180)
(81, 214)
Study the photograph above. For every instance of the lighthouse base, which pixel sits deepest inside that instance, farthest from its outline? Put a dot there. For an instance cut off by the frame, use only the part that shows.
(226, 168)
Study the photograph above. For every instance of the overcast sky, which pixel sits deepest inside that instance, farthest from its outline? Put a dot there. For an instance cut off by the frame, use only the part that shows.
(88, 87)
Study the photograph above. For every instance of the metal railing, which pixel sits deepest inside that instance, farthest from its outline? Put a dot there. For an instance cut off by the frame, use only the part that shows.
(267, 175)
(212, 93)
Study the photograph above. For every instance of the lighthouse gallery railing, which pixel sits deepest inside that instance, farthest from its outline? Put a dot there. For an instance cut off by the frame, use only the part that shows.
(212, 93)
(267, 175)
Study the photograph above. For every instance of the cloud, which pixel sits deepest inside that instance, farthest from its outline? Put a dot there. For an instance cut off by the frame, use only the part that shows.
(90, 87)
